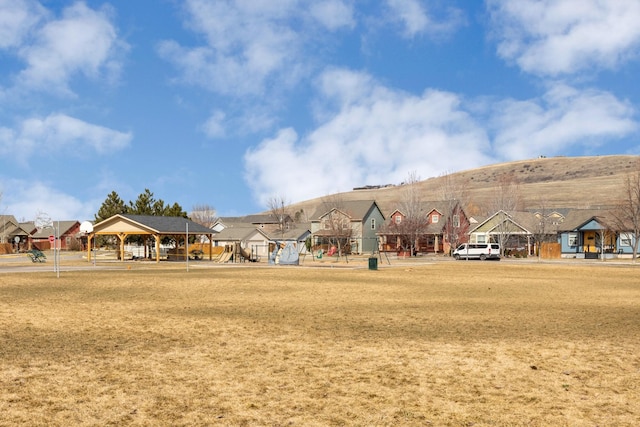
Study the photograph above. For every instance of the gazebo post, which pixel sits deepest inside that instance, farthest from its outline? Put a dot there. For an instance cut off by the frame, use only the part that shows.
(122, 237)
(157, 237)
(89, 238)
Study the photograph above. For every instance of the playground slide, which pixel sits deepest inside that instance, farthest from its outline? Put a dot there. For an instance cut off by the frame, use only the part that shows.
(226, 256)
(245, 253)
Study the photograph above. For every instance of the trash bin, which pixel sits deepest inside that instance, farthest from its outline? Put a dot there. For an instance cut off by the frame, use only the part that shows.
(373, 263)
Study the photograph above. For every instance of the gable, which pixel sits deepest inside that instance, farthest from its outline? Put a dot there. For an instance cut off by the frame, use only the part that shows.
(148, 224)
(356, 210)
(593, 224)
(118, 224)
(501, 223)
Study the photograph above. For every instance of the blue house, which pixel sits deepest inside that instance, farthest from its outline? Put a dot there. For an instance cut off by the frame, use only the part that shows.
(588, 233)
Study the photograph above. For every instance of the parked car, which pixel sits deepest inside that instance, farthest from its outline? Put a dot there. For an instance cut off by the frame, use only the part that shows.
(479, 251)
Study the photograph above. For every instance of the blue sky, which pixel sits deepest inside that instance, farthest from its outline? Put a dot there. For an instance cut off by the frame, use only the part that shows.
(230, 103)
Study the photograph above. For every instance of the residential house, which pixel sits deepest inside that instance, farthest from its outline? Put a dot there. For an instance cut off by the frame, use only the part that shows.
(267, 222)
(67, 233)
(351, 226)
(12, 232)
(515, 231)
(258, 233)
(248, 236)
(588, 233)
(440, 226)
(577, 233)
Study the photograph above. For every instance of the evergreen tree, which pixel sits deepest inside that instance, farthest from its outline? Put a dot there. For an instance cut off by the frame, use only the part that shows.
(112, 205)
(144, 204)
(175, 210)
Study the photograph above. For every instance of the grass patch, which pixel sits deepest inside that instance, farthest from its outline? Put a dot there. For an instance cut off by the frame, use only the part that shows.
(446, 344)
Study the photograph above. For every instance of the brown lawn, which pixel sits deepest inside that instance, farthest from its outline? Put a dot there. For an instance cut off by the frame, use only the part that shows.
(447, 344)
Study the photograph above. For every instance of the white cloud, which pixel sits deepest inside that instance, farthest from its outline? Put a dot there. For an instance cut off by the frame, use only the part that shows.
(563, 119)
(214, 127)
(17, 20)
(60, 132)
(333, 14)
(24, 199)
(376, 136)
(417, 19)
(84, 41)
(554, 37)
(247, 44)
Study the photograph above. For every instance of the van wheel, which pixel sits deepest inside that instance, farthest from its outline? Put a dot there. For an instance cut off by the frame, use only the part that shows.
(483, 257)
(457, 257)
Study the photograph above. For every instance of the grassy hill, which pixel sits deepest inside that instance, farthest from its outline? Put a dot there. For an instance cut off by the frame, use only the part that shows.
(559, 182)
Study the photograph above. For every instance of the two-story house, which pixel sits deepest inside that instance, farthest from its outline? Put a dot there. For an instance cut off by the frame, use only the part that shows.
(436, 228)
(347, 226)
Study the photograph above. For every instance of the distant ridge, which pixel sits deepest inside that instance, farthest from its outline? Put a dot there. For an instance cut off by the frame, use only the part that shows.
(558, 182)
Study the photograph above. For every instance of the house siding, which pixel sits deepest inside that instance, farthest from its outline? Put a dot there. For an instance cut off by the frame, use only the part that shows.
(370, 238)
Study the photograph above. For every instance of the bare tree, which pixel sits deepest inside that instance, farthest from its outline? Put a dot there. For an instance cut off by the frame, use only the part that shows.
(204, 214)
(413, 225)
(605, 237)
(506, 199)
(277, 206)
(543, 229)
(454, 195)
(626, 214)
(336, 223)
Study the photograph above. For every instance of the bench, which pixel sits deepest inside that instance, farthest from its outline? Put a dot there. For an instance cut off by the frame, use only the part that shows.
(36, 255)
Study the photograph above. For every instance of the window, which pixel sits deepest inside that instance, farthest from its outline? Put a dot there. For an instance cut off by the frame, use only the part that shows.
(626, 239)
(398, 219)
(481, 238)
(373, 223)
(572, 239)
(434, 218)
(456, 221)
(326, 224)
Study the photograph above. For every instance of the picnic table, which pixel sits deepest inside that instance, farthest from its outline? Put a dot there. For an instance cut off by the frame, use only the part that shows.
(196, 254)
(36, 255)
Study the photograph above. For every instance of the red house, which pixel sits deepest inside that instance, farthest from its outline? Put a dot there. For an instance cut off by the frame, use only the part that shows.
(68, 232)
(439, 227)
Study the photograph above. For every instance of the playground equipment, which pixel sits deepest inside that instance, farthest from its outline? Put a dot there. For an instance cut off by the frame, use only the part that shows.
(284, 253)
(236, 253)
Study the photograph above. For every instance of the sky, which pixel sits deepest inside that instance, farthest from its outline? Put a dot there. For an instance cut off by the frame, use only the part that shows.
(231, 104)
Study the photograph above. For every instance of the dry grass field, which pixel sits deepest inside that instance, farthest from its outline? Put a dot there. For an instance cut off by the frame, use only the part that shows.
(442, 344)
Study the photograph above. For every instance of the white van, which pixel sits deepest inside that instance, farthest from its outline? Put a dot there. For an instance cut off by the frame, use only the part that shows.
(480, 251)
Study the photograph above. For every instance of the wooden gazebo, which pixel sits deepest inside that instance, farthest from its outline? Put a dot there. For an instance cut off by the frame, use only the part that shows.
(124, 225)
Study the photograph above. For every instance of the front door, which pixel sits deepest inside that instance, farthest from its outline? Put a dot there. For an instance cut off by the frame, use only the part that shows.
(590, 242)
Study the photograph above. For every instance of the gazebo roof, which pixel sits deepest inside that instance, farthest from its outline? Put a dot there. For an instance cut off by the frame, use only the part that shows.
(148, 224)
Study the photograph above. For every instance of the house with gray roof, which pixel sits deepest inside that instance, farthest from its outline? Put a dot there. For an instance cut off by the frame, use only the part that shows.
(13, 232)
(351, 225)
(439, 227)
(591, 233)
(67, 234)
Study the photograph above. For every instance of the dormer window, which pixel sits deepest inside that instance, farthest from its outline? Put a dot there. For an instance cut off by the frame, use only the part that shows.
(435, 218)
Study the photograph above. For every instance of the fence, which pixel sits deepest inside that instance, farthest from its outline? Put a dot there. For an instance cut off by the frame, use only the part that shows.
(550, 250)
